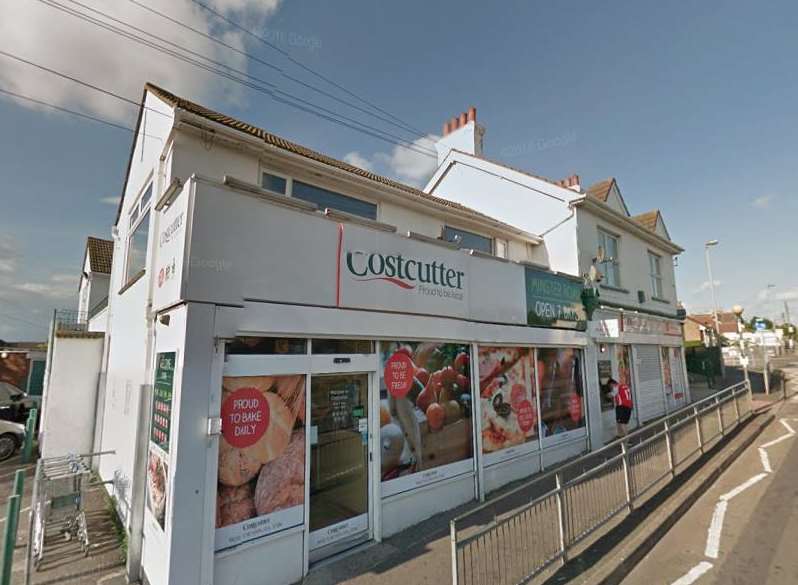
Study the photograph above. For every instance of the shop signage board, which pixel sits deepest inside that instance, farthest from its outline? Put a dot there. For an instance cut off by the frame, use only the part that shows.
(170, 245)
(161, 421)
(160, 434)
(553, 300)
(650, 326)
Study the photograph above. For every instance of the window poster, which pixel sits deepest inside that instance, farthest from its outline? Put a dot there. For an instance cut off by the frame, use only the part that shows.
(425, 413)
(604, 376)
(508, 400)
(157, 484)
(160, 433)
(261, 480)
(562, 405)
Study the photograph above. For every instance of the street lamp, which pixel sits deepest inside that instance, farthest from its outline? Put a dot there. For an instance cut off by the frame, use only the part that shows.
(738, 311)
(707, 246)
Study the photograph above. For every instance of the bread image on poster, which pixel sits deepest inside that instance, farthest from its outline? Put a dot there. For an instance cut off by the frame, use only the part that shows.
(261, 478)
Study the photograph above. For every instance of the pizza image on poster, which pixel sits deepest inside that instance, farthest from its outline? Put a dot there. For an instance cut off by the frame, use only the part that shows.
(508, 397)
(261, 479)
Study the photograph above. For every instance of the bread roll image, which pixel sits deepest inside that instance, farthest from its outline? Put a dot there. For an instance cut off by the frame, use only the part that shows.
(281, 483)
(239, 465)
(234, 504)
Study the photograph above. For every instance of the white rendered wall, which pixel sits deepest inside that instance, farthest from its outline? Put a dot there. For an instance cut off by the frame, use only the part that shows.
(68, 420)
(634, 267)
(127, 325)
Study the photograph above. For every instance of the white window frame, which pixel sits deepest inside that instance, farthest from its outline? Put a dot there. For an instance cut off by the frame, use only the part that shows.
(655, 262)
(603, 236)
(138, 211)
(498, 243)
(289, 181)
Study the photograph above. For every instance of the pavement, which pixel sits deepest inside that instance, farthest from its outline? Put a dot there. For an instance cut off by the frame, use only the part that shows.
(744, 529)
(63, 561)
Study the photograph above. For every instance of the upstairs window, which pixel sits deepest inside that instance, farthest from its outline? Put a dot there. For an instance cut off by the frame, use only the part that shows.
(468, 240)
(136, 259)
(655, 269)
(325, 198)
(274, 183)
(501, 248)
(611, 267)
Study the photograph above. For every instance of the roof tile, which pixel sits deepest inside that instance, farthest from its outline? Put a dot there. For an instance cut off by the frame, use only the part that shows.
(101, 254)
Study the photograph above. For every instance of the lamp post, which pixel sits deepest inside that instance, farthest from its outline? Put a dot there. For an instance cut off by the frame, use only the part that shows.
(738, 311)
(707, 246)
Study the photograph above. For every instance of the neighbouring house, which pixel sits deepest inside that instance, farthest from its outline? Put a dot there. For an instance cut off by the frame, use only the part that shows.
(727, 323)
(21, 369)
(301, 356)
(699, 330)
(588, 233)
(94, 281)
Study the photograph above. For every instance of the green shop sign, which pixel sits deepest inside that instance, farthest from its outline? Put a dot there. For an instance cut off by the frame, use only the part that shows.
(554, 301)
(161, 421)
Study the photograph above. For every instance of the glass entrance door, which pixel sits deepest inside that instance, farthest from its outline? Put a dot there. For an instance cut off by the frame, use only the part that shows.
(339, 463)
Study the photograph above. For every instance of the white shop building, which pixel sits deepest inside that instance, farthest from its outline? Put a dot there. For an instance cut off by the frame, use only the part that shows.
(636, 329)
(303, 356)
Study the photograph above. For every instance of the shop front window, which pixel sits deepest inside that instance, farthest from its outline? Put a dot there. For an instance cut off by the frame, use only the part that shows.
(562, 406)
(604, 375)
(267, 346)
(332, 346)
(261, 477)
(425, 413)
(508, 397)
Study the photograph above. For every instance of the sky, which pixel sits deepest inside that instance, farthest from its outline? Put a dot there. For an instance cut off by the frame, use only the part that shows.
(690, 106)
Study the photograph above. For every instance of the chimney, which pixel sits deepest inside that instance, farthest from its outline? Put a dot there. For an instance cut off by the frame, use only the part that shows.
(462, 133)
(571, 182)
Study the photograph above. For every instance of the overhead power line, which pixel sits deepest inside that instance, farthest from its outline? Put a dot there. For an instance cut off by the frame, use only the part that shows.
(67, 110)
(298, 63)
(402, 125)
(7, 316)
(225, 72)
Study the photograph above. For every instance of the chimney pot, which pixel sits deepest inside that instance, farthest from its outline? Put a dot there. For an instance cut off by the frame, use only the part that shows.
(445, 128)
(472, 114)
(463, 119)
(453, 124)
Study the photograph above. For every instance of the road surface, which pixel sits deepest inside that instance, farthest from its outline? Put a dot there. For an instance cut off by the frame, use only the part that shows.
(744, 530)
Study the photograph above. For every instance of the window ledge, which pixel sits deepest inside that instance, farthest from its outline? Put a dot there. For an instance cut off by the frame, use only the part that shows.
(136, 277)
(614, 288)
(661, 300)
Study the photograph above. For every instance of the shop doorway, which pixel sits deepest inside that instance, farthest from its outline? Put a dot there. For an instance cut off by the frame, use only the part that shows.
(340, 473)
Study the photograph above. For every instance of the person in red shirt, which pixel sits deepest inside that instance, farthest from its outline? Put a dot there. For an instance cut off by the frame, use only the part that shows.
(622, 397)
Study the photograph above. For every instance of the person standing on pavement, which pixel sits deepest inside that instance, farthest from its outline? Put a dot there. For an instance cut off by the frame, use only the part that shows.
(622, 397)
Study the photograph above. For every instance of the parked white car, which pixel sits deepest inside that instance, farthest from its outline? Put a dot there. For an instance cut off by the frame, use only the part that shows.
(12, 436)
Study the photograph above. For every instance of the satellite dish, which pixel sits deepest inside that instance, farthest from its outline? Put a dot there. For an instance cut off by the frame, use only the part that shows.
(599, 255)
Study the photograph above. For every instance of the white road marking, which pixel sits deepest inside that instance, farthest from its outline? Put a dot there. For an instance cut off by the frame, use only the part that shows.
(743, 486)
(715, 527)
(693, 574)
(787, 426)
(763, 456)
(777, 441)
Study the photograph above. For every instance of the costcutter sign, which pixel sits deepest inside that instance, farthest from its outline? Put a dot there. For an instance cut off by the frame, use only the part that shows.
(426, 277)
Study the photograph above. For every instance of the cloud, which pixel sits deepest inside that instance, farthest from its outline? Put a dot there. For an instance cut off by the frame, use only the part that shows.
(704, 286)
(412, 166)
(45, 35)
(358, 160)
(111, 200)
(8, 254)
(763, 202)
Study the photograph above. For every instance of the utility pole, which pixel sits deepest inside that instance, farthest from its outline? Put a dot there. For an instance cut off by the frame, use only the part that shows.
(787, 313)
(707, 245)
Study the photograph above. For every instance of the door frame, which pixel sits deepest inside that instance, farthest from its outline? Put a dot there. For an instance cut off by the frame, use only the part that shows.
(352, 367)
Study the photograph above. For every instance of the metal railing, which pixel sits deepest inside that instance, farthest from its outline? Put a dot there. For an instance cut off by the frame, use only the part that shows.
(515, 537)
(71, 321)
